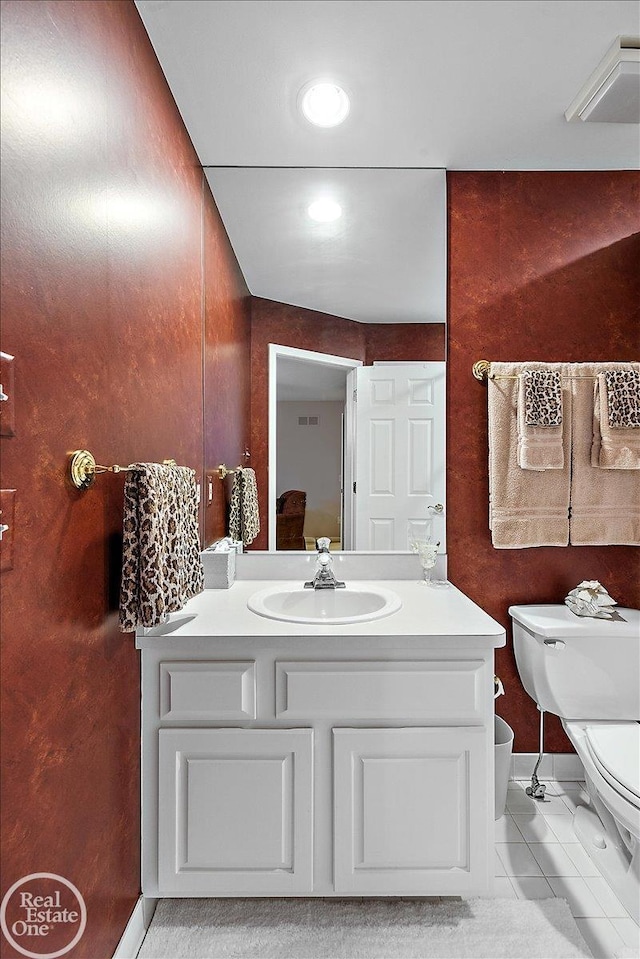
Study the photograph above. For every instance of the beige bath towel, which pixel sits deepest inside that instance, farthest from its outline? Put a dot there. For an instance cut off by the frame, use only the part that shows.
(605, 503)
(612, 447)
(527, 507)
(161, 565)
(540, 402)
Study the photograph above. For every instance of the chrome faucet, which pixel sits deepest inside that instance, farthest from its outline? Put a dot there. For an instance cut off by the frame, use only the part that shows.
(324, 577)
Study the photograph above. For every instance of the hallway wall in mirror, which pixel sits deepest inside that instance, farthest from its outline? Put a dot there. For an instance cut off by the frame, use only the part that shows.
(273, 322)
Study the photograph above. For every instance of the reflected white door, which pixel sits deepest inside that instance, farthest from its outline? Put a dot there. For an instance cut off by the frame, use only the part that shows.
(397, 414)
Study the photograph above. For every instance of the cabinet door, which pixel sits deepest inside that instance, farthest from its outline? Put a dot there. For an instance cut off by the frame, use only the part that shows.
(412, 811)
(235, 811)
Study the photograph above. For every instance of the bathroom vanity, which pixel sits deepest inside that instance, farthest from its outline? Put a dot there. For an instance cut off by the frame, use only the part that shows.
(296, 759)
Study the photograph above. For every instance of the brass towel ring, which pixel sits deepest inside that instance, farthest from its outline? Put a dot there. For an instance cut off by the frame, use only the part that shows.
(481, 369)
(83, 468)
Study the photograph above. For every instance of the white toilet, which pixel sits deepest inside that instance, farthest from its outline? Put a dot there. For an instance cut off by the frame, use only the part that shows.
(587, 671)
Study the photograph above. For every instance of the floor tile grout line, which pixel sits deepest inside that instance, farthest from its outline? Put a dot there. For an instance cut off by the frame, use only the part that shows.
(583, 887)
(578, 879)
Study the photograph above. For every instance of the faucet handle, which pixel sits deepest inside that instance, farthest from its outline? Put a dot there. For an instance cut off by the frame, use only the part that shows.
(323, 542)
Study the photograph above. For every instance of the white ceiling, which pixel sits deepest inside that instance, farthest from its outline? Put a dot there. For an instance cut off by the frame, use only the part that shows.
(383, 261)
(299, 380)
(461, 84)
(455, 84)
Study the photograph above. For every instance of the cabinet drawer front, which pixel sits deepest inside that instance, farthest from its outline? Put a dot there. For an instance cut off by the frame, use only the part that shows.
(215, 691)
(440, 692)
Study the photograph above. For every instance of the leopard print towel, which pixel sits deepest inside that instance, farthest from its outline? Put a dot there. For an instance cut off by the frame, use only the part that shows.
(244, 517)
(543, 398)
(623, 398)
(161, 565)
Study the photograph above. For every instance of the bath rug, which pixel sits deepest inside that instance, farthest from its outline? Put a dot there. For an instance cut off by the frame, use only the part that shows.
(363, 929)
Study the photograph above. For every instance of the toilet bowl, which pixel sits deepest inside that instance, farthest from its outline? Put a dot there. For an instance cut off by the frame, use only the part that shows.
(586, 671)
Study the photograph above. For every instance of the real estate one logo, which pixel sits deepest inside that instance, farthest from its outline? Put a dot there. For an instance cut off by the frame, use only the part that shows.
(43, 915)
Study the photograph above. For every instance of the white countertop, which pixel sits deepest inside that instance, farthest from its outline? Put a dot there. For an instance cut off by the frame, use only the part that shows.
(426, 612)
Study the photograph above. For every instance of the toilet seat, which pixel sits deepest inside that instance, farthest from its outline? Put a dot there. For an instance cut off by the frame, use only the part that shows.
(609, 825)
(614, 749)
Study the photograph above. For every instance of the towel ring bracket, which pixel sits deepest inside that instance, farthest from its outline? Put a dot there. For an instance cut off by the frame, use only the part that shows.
(481, 370)
(83, 468)
(225, 471)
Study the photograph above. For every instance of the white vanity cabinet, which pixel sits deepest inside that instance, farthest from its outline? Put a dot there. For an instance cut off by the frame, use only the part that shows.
(321, 765)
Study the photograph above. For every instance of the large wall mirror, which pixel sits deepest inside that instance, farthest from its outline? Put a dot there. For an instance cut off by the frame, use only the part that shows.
(355, 420)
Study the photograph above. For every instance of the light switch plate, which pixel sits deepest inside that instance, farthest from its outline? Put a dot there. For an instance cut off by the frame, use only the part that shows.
(7, 518)
(7, 407)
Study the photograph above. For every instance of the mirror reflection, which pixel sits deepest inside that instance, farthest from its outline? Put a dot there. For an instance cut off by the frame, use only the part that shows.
(333, 299)
(358, 452)
(381, 259)
(311, 448)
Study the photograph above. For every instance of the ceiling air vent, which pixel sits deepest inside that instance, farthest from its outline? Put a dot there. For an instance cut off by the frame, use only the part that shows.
(612, 92)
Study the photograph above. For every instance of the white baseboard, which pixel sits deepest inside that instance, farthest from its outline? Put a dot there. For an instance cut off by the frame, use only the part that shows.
(558, 766)
(136, 929)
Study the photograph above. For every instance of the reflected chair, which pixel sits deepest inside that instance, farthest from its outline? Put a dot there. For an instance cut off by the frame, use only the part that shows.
(290, 510)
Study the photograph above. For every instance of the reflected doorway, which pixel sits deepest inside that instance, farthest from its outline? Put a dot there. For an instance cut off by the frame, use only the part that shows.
(307, 394)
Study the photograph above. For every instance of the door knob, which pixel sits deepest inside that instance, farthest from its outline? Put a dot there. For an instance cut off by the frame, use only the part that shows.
(438, 508)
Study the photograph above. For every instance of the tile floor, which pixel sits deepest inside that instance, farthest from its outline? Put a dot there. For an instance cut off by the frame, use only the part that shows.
(538, 855)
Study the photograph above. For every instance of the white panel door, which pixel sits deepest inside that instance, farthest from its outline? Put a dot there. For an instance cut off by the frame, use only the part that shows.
(235, 811)
(411, 814)
(399, 458)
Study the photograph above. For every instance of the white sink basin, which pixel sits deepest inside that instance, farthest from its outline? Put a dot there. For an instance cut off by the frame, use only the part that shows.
(325, 607)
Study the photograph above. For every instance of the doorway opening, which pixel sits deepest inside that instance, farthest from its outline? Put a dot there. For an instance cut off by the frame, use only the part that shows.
(307, 394)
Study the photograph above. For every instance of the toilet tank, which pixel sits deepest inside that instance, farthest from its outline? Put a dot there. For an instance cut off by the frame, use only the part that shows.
(579, 667)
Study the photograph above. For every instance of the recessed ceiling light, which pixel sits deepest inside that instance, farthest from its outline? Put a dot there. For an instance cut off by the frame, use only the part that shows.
(324, 103)
(324, 210)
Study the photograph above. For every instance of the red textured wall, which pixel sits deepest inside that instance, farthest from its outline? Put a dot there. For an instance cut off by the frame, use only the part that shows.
(402, 342)
(102, 305)
(227, 369)
(542, 266)
(273, 322)
(107, 310)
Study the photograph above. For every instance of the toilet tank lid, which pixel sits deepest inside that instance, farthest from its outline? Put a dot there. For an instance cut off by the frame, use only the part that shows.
(557, 620)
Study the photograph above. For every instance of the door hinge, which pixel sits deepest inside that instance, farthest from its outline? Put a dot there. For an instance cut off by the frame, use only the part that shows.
(355, 395)
(354, 486)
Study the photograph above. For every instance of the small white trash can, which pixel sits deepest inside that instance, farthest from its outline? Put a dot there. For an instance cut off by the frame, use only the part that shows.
(503, 748)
